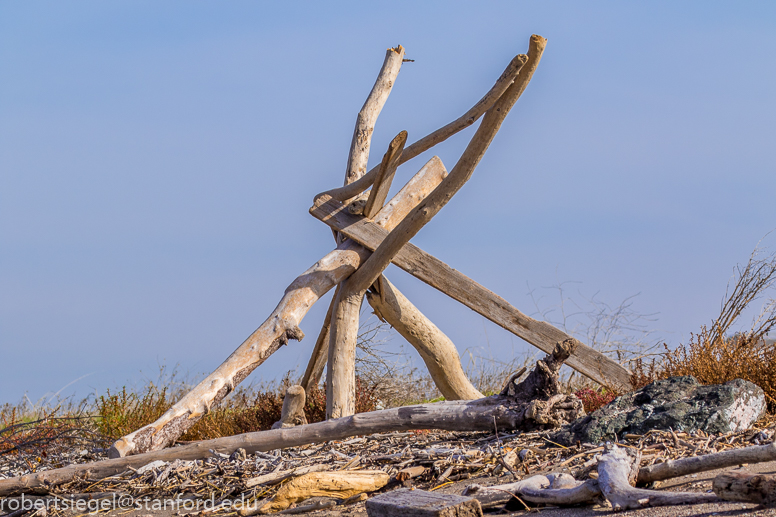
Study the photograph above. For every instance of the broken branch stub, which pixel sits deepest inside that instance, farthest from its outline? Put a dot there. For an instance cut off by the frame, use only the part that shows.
(283, 323)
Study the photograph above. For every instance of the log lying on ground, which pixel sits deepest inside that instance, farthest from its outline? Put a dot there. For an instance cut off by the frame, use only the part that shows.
(505, 412)
(617, 469)
(282, 324)
(339, 485)
(706, 462)
(746, 487)
(435, 348)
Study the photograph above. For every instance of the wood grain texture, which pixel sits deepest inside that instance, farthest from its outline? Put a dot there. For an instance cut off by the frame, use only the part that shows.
(458, 286)
(435, 348)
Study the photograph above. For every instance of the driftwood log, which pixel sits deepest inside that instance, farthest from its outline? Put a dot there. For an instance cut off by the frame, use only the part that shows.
(505, 411)
(746, 487)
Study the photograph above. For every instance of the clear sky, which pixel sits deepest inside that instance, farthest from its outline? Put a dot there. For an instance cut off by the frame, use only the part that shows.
(157, 161)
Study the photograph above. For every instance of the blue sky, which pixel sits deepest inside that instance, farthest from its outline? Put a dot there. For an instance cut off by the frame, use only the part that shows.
(157, 161)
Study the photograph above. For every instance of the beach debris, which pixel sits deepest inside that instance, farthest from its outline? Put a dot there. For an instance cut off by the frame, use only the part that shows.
(420, 503)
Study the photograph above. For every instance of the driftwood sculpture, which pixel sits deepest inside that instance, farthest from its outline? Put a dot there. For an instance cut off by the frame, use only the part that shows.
(370, 235)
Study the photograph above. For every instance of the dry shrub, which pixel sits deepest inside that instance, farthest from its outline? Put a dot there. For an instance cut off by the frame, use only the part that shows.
(247, 410)
(714, 356)
(593, 399)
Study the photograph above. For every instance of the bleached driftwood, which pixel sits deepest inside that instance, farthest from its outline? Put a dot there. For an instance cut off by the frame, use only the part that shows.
(497, 495)
(338, 485)
(617, 470)
(340, 395)
(387, 170)
(365, 121)
(746, 487)
(282, 324)
(314, 371)
(435, 348)
(293, 408)
(718, 460)
(440, 135)
(504, 411)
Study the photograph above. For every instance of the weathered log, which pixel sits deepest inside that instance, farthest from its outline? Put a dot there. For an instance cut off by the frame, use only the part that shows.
(365, 121)
(282, 324)
(617, 470)
(424, 144)
(458, 286)
(338, 485)
(506, 412)
(500, 494)
(746, 487)
(435, 348)
(706, 462)
(420, 503)
(292, 413)
(343, 337)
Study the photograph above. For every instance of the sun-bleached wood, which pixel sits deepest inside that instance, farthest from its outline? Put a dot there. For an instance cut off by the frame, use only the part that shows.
(458, 286)
(717, 460)
(281, 325)
(316, 364)
(617, 469)
(343, 336)
(382, 184)
(435, 348)
(293, 408)
(440, 135)
(746, 487)
(365, 121)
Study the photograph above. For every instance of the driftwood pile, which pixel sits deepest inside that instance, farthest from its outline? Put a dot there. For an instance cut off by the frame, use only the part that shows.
(371, 232)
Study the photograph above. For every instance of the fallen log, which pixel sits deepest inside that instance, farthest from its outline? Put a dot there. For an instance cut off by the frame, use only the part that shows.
(281, 325)
(504, 411)
(746, 487)
(706, 462)
(338, 485)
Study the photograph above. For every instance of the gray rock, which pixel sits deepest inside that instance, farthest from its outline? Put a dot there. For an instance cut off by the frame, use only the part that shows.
(678, 403)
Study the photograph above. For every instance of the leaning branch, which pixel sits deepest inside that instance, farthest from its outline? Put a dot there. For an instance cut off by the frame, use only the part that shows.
(440, 135)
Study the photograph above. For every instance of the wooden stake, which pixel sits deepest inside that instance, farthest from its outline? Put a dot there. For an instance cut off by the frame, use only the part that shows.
(382, 184)
(435, 348)
(292, 413)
